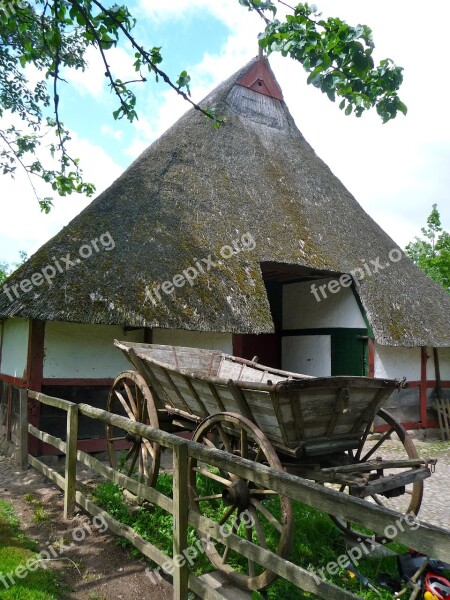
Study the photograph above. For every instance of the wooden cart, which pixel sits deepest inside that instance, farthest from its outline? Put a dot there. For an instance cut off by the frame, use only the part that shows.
(318, 428)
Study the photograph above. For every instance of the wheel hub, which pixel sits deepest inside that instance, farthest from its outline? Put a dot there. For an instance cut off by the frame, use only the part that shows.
(237, 494)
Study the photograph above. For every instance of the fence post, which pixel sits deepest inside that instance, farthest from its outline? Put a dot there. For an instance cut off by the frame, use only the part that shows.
(22, 431)
(180, 521)
(71, 461)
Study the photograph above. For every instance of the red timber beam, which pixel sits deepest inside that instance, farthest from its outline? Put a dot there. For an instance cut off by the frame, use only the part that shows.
(64, 381)
(34, 376)
(423, 386)
(371, 356)
(19, 382)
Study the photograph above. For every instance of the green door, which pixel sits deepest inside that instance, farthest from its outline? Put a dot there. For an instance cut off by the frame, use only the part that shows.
(349, 352)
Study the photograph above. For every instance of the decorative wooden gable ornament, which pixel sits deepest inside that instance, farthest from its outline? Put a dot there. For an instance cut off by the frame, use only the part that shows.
(260, 79)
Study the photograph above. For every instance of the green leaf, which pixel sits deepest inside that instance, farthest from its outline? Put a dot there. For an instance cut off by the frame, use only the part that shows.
(315, 75)
(402, 107)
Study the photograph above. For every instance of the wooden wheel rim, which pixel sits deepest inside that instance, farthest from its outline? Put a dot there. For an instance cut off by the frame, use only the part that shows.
(254, 434)
(417, 486)
(130, 388)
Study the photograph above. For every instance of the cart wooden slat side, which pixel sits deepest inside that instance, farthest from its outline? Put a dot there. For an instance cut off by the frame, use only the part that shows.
(298, 414)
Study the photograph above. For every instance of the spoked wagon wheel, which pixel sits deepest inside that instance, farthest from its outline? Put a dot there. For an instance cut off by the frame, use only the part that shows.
(250, 511)
(130, 396)
(405, 503)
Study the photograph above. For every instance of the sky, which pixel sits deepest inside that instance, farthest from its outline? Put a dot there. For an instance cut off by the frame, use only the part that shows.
(396, 171)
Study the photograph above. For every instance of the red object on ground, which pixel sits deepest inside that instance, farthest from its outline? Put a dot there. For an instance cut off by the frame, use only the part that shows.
(437, 585)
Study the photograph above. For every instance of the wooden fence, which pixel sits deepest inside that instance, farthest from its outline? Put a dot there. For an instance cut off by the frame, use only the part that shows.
(431, 540)
(13, 420)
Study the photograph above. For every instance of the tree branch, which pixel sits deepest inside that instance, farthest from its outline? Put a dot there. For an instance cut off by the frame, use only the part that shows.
(149, 61)
(20, 161)
(105, 62)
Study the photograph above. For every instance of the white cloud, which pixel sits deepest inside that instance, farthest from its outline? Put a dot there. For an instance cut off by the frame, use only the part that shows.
(108, 131)
(227, 11)
(396, 171)
(93, 81)
(24, 226)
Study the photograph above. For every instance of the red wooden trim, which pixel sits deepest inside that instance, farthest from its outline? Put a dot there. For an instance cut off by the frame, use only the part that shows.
(429, 384)
(35, 362)
(238, 344)
(16, 381)
(371, 357)
(423, 386)
(2, 331)
(77, 382)
(34, 376)
(260, 79)
(409, 425)
(8, 414)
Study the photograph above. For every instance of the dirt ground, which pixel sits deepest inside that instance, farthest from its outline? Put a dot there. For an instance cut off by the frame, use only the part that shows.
(93, 568)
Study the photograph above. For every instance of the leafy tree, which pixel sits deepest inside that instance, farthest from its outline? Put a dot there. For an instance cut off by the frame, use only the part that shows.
(4, 270)
(55, 36)
(432, 254)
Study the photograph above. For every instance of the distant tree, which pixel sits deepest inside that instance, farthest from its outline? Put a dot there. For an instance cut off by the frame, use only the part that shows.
(4, 270)
(432, 254)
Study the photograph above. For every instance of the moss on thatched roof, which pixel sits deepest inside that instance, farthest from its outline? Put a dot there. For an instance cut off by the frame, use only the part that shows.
(196, 189)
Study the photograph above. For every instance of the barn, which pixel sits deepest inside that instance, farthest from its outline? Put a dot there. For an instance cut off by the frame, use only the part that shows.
(239, 239)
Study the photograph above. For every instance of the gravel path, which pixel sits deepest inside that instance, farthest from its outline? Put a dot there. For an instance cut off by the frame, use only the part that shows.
(436, 499)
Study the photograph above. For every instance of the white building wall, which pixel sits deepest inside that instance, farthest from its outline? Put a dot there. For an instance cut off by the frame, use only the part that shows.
(14, 355)
(307, 354)
(311, 354)
(444, 364)
(393, 362)
(79, 351)
(301, 310)
(194, 339)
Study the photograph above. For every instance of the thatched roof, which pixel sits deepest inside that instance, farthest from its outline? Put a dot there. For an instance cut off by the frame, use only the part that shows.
(195, 190)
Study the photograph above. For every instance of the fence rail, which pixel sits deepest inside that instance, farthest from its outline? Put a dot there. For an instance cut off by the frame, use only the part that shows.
(427, 538)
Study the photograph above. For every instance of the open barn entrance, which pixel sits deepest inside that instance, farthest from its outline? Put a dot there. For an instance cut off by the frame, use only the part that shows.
(318, 334)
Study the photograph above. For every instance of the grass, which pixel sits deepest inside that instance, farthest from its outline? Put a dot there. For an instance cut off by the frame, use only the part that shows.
(432, 448)
(39, 513)
(15, 550)
(317, 541)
